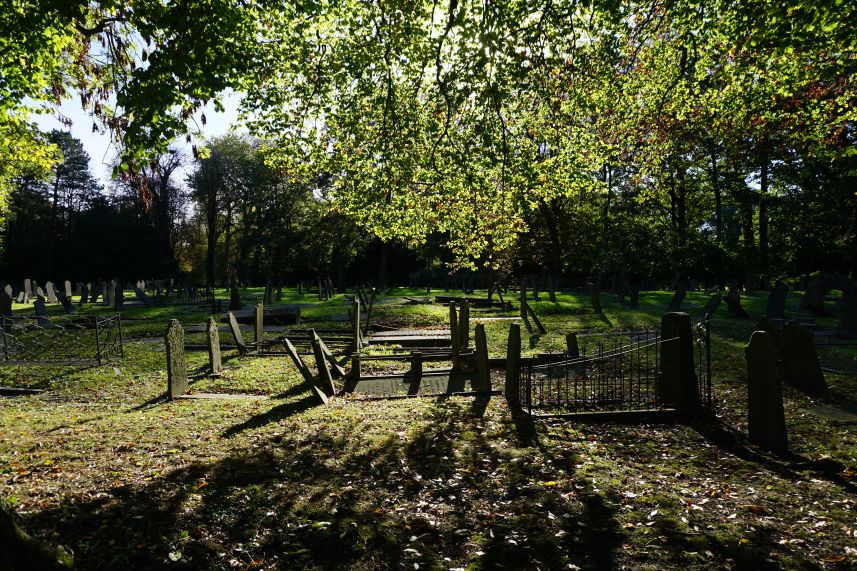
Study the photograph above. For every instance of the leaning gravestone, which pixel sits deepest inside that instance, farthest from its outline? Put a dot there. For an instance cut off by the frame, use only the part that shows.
(801, 367)
(67, 304)
(813, 297)
(40, 292)
(776, 308)
(214, 363)
(20, 298)
(51, 292)
(68, 292)
(176, 368)
(711, 305)
(141, 295)
(678, 296)
(733, 303)
(236, 334)
(765, 415)
(41, 311)
(28, 289)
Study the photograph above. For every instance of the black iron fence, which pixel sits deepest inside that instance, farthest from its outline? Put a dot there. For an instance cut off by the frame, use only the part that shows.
(60, 341)
(610, 372)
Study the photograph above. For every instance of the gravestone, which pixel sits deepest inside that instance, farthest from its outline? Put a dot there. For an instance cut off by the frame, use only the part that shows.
(107, 293)
(677, 386)
(801, 367)
(234, 297)
(8, 289)
(267, 297)
(464, 325)
(711, 305)
(67, 304)
(28, 288)
(776, 308)
(324, 378)
(512, 389)
(766, 419)
(236, 334)
(813, 297)
(482, 382)
(594, 298)
(141, 295)
(733, 303)
(84, 293)
(5, 303)
(68, 292)
(41, 311)
(40, 292)
(678, 296)
(20, 298)
(176, 369)
(214, 363)
(455, 345)
(51, 292)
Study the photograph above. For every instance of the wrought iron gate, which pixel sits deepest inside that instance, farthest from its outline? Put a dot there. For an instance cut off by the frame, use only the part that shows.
(613, 372)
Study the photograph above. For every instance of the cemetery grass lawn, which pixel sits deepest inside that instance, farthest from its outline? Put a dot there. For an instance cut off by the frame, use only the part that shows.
(102, 465)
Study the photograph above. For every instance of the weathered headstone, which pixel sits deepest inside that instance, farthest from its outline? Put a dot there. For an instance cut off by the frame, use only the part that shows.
(20, 298)
(711, 305)
(176, 369)
(733, 303)
(678, 296)
(236, 334)
(813, 297)
(119, 296)
(50, 292)
(41, 311)
(214, 363)
(40, 292)
(512, 390)
(776, 308)
(801, 367)
(68, 292)
(765, 415)
(28, 290)
(482, 382)
(141, 295)
(67, 304)
(677, 383)
(464, 325)
(84, 293)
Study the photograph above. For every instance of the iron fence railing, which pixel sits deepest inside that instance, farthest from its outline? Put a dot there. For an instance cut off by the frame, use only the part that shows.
(60, 340)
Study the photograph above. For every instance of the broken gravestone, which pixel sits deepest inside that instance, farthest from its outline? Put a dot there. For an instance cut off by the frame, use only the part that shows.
(176, 369)
(765, 415)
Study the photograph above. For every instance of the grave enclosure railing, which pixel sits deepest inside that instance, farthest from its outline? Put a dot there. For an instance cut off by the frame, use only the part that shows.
(61, 341)
(616, 372)
(180, 296)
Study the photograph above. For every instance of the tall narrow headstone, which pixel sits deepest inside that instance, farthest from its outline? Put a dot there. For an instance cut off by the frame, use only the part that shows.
(176, 368)
(50, 292)
(67, 304)
(5, 304)
(483, 372)
(68, 292)
(677, 379)
(453, 335)
(41, 311)
(594, 298)
(28, 290)
(214, 363)
(512, 389)
(84, 294)
(801, 367)
(765, 415)
(106, 295)
(464, 325)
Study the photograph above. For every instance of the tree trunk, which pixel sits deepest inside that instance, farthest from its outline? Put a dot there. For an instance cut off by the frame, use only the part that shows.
(763, 209)
(718, 198)
(21, 552)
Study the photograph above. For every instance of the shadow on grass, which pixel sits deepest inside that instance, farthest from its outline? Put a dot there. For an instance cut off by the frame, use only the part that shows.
(276, 414)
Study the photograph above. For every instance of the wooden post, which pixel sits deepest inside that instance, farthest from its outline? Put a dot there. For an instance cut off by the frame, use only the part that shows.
(766, 421)
(483, 372)
(513, 369)
(176, 368)
(259, 323)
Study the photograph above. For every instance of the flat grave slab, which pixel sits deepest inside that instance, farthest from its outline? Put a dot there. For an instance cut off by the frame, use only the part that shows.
(429, 384)
(834, 413)
(222, 396)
